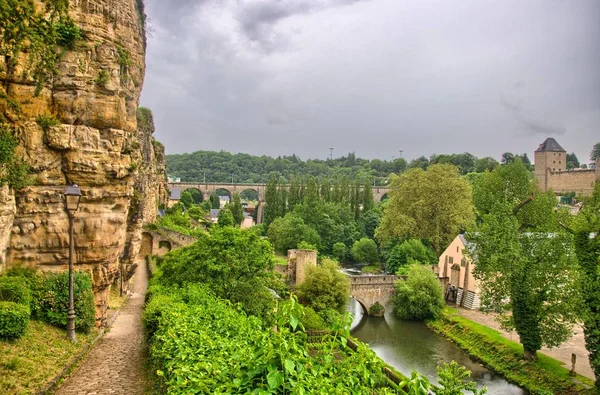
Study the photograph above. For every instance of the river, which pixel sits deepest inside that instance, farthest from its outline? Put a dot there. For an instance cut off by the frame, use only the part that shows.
(409, 346)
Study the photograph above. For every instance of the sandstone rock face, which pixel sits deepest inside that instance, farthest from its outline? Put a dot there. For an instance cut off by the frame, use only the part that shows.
(150, 191)
(96, 145)
(7, 215)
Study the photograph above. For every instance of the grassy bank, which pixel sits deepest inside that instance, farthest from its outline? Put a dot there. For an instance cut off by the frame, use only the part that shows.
(545, 376)
(27, 364)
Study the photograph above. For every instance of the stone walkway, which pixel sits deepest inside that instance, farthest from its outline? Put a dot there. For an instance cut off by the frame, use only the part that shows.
(575, 345)
(116, 364)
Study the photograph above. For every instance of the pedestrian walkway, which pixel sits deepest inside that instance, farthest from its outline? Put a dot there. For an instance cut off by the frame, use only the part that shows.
(575, 345)
(116, 364)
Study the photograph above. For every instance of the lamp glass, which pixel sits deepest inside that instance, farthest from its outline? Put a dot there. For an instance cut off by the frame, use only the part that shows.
(72, 197)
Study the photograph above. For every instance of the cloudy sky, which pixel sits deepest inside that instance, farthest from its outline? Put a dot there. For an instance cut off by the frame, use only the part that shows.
(278, 77)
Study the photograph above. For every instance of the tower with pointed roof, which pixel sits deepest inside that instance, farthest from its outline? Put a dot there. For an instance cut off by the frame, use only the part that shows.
(549, 158)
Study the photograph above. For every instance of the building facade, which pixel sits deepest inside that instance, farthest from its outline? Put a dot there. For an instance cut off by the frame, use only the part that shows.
(454, 265)
(551, 171)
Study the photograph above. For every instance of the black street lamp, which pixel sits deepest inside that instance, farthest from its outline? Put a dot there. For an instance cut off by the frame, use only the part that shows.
(72, 197)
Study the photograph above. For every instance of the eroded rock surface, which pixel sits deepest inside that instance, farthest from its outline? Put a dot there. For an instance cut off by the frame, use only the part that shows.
(96, 145)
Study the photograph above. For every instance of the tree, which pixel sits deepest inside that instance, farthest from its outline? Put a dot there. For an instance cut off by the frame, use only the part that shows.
(236, 209)
(236, 264)
(325, 287)
(271, 202)
(367, 197)
(365, 251)
(595, 154)
(214, 200)
(412, 250)
(419, 297)
(287, 232)
(572, 161)
(484, 164)
(186, 199)
(434, 204)
(524, 260)
(340, 251)
(587, 223)
(225, 217)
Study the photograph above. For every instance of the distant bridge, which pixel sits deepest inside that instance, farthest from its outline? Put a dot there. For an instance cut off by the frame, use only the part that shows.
(369, 290)
(206, 188)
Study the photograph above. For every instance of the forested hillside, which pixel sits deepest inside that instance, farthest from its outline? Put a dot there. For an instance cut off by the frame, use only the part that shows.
(223, 166)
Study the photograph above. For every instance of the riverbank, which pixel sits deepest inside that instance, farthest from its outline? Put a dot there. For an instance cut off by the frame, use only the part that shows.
(545, 376)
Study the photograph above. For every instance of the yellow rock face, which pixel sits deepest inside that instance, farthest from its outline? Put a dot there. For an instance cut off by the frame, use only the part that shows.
(97, 145)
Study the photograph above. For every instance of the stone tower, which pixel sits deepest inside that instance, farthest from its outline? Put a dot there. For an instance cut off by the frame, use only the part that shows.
(550, 157)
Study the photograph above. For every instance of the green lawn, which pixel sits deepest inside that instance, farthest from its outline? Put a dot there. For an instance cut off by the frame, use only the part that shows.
(27, 364)
(546, 375)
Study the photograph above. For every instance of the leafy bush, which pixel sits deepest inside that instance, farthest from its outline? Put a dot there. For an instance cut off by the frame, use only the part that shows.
(420, 296)
(68, 33)
(365, 251)
(287, 232)
(312, 320)
(47, 121)
(226, 217)
(15, 289)
(304, 245)
(325, 287)
(102, 78)
(412, 249)
(51, 307)
(14, 318)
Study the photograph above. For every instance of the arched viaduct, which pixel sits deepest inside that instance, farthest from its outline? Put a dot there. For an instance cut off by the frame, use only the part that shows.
(206, 188)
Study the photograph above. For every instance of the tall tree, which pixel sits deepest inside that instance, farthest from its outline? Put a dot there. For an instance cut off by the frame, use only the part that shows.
(214, 201)
(523, 259)
(311, 194)
(595, 154)
(587, 246)
(271, 202)
(434, 204)
(572, 161)
(367, 197)
(236, 209)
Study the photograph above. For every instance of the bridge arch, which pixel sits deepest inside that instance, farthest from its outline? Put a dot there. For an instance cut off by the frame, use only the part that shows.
(370, 290)
(197, 194)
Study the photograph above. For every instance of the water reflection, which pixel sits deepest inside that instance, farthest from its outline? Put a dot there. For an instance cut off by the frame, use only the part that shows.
(411, 346)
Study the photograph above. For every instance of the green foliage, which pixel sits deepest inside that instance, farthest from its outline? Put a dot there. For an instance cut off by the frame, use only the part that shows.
(454, 380)
(312, 321)
(37, 34)
(124, 57)
(225, 218)
(303, 245)
(47, 121)
(525, 263)
(595, 154)
(543, 376)
(376, 310)
(365, 251)
(587, 248)
(14, 318)
(236, 209)
(15, 289)
(287, 232)
(419, 297)
(325, 287)
(340, 251)
(102, 79)
(145, 119)
(12, 169)
(51, 300)
(408, 252)
(435, 204)
(235, 264)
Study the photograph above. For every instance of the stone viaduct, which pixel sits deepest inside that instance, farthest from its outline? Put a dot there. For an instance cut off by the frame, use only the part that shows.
(206, 188)
(369, 290)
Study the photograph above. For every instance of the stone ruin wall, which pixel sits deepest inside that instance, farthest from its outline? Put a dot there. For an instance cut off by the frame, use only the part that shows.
(579, 181)
(97, 145)
(299, 262)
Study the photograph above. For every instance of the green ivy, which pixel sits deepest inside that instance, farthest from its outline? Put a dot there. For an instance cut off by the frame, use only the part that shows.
(12, 169)
(47, 121)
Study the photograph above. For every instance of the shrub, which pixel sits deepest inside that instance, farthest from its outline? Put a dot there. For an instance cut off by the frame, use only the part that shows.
(102, 79)
(304, 245)
(15, 289)
(365, 251)
(420, 296)
(68, 33)
(14, 318)
(54, 300)
(312, 320)
(325, 287)
(47, 121)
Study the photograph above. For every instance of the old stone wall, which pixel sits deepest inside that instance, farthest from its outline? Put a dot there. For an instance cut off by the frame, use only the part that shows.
(299, 262)
(579, 181)
(7, 216)
(95, 145)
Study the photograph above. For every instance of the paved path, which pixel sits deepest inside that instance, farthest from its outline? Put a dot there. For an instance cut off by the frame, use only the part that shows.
(575, 345)
(116, 364)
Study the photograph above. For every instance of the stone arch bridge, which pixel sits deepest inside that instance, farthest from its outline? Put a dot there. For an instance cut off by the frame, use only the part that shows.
(206, 188)
(369, 290)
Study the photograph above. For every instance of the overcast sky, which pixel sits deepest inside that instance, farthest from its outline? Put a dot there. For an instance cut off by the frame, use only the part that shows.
(278, 77)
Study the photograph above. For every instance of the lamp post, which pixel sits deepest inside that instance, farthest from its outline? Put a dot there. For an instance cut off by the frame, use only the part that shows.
(72, 197)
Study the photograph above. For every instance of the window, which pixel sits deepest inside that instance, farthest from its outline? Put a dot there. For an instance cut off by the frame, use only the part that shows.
(456, 248)
(451, 260)
(463, 262)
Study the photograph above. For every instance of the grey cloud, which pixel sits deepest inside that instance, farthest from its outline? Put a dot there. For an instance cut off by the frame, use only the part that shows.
(532, 126)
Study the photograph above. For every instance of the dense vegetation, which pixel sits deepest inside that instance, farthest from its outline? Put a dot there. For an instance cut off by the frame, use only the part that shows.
(244, 168)
(419, 297)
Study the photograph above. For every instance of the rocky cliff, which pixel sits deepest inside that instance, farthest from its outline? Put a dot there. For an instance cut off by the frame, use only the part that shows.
(80, 126)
